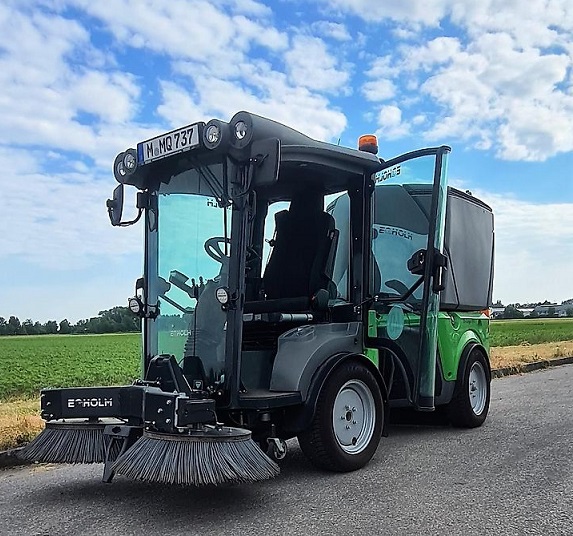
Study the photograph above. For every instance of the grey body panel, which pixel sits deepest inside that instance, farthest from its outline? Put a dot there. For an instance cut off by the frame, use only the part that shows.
(302, 350)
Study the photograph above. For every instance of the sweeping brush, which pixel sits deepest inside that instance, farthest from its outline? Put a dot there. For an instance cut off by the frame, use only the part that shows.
(213, 455)
(70, 442)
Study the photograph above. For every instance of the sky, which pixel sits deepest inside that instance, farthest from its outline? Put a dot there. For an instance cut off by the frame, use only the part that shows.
(81, 81)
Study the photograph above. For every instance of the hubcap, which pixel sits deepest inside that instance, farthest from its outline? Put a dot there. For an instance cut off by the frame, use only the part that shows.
(354, 416)
(477, 388)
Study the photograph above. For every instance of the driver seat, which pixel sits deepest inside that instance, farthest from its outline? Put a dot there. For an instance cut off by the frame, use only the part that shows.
(302, 259)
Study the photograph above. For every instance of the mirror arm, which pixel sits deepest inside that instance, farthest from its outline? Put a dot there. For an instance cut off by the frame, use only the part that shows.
(127, 223)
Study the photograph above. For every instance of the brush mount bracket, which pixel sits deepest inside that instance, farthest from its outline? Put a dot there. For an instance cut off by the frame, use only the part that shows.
(137, 405)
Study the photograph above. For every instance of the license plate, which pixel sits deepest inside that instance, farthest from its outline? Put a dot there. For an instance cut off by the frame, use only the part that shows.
(176, 141)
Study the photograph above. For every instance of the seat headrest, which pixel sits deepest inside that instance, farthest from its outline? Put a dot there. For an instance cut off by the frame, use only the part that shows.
(307, 202)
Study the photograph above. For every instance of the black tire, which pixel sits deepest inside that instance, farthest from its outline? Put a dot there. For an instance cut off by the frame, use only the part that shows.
(320, 443)
(461, 412)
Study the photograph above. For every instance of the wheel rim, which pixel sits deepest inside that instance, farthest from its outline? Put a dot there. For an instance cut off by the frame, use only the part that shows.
(354, 416)
(477, 388)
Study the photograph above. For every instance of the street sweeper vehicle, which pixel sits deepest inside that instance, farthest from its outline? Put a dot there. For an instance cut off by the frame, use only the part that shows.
(291, 288)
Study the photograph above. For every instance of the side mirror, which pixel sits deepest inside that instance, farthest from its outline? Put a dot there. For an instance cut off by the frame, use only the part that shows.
(115, 206)
(417, 262)
(267, 156)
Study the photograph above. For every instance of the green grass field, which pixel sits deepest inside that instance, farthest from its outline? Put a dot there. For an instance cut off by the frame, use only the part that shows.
(534, 331)
(29, 363)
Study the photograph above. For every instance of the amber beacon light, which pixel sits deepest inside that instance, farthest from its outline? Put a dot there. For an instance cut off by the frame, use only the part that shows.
(368, 143)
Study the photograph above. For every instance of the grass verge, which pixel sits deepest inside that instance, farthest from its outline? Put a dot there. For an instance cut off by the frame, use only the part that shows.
(19, 422)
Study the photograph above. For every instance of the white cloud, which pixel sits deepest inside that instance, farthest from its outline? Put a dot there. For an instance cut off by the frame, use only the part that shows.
(391, 124)
(270, 94)
(57, 220)
(379, 90)
(250, 7)
(533, 249)
(178, 106)
(489, 92)
(505, 82)
(110, 96)
(428, 12)
(46, 87)
(404, 34)
(333, 30)
(311, 65)
(536, 23)
(187, 29)
(496, 94)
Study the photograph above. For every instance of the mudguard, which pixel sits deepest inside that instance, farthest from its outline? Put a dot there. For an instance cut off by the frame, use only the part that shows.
(303, 350)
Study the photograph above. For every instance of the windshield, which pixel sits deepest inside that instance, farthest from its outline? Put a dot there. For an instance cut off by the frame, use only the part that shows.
(191, 256)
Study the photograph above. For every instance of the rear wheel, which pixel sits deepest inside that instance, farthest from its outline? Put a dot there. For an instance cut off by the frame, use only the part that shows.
(347, 424)
(470, 404)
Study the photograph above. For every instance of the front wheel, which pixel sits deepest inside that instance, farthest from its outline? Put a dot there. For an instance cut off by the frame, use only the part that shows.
(470, 404)
(347, 424)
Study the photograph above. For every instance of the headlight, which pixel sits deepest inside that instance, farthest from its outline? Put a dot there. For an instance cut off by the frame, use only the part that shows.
(130, 161)
(125, 164)
(135, 305)
(222, 295)
(215, 134)
(240, 130)
(119, 170)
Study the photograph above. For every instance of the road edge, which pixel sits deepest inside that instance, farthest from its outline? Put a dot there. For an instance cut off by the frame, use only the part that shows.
(531, 367)
(9, 458)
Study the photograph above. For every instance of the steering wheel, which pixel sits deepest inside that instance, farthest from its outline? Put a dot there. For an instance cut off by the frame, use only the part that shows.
(213, 248)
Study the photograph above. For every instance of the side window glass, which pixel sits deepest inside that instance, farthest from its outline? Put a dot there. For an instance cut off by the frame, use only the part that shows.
(270, 229)
(400, 224)
(338, 206)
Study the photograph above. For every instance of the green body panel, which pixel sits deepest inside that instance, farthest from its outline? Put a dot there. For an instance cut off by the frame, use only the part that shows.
(372, 355)
(455, 331)
(372, 324)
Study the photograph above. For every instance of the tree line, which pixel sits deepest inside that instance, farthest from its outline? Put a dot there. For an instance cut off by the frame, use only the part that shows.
(115, 320)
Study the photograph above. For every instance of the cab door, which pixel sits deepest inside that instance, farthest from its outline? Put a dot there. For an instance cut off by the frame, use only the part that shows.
(407, 266)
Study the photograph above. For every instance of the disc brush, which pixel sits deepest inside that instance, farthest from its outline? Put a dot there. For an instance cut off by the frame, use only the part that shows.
(212, 455)
(69, 442)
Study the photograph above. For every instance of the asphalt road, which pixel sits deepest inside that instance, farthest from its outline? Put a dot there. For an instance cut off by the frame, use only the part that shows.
(513, 476)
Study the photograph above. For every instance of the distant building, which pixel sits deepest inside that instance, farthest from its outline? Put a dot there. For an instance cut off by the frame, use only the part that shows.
(552, 309)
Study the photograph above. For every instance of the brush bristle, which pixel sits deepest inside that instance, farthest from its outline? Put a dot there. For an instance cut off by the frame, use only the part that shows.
(196, 461)
(69, 443)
